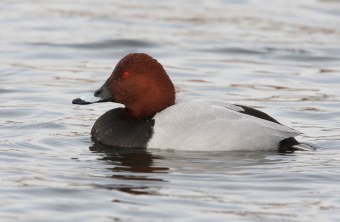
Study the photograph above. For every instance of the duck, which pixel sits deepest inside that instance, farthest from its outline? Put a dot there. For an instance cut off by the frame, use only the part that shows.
(152, 118)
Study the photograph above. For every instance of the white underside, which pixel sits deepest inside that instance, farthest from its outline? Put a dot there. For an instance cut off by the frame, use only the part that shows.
(214, 125)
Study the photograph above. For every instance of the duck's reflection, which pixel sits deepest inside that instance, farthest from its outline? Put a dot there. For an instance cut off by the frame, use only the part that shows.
(132, 167)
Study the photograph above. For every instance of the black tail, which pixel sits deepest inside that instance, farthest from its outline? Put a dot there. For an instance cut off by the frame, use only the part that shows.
(290, 145)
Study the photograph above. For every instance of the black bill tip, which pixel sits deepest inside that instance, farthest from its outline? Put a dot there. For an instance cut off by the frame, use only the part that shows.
(79, 101)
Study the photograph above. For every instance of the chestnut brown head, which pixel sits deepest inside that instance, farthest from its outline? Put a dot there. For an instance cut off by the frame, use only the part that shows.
(140, 83)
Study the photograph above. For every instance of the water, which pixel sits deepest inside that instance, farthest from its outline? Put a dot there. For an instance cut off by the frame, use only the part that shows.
(279, 56)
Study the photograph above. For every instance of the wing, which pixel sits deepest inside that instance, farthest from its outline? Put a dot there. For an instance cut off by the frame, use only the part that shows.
(215, 125)
(257, 113)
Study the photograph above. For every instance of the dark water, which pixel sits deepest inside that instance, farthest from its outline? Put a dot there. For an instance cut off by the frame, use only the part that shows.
(279, 56)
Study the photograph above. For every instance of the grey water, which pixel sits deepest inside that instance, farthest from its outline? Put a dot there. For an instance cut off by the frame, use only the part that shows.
(282, 57)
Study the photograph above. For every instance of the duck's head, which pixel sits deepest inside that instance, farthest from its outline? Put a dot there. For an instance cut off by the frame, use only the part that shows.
(140, 83)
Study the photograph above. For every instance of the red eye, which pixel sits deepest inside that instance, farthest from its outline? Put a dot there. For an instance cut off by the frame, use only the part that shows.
(126, 74)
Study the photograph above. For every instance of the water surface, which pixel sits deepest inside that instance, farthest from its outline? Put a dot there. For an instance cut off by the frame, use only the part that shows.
(279, 56)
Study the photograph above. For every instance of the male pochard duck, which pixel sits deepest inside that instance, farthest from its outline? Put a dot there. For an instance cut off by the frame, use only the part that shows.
(152, 118)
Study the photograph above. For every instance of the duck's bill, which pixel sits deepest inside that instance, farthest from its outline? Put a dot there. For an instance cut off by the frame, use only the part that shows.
(103, 94)
(89, 99)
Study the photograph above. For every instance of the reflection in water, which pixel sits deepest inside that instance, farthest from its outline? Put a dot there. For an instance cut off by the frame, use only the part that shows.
(130, 165)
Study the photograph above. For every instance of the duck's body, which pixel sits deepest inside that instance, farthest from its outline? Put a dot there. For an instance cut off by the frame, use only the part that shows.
(215, 125)
(196, 125)
(152, 119)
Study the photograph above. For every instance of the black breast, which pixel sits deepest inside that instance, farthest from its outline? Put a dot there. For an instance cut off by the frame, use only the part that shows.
(116, 128)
